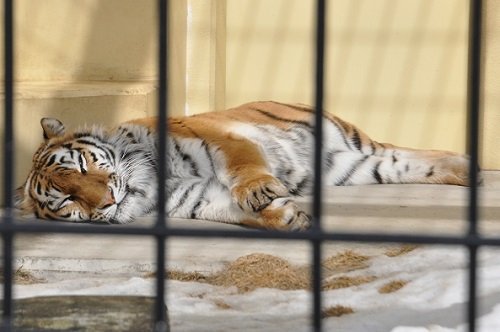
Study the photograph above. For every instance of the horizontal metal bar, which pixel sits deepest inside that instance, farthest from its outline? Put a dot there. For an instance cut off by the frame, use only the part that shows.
(70, 228)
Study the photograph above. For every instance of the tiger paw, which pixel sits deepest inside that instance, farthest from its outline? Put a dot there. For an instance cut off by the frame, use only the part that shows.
(454, 169)
(284, 214)
(257, 194)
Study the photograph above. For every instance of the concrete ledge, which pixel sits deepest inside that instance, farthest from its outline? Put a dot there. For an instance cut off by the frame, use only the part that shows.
(413, 209)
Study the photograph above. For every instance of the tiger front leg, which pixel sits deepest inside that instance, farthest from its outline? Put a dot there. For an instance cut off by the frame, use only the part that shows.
(264, 196)
(254, 190)
(241, 167)
(282, 214)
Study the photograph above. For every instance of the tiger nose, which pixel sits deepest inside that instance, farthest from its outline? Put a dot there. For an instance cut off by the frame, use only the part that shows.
(109, 198)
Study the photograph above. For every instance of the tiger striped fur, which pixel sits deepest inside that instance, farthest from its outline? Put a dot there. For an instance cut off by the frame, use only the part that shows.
(242, 166)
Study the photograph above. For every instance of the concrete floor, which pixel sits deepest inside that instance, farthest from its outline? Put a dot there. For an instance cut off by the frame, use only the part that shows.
(424, 209)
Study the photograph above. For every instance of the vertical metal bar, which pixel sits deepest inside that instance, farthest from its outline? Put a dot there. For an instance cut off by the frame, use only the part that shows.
(8, 104)
(160, 312)
(162, 107)
(160, 307)
(473, 105)
(8, 161)
(8, 280)
(472, 305)
(318, 133)
(316, 278)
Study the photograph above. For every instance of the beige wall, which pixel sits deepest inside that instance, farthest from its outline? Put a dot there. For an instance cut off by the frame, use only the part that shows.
(69, 40)
(93, 40)
(206, 55)
(396, 68)
(491, 121)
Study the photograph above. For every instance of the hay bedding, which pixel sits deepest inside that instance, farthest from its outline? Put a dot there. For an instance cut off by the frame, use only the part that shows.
(336, 311)
(257, 270)
(253, 271)
(345, 262)
(392, 286)
(400, 250)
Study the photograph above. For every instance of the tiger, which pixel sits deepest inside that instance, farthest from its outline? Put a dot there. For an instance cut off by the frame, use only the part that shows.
(245, 165)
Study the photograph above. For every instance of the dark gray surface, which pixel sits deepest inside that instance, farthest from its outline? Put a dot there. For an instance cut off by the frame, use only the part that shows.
(84, 313)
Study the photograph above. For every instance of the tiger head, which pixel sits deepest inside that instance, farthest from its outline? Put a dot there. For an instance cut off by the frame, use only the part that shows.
(90, 174)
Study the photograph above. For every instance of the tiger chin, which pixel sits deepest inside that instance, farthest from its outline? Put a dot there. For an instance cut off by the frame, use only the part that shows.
(243, 166)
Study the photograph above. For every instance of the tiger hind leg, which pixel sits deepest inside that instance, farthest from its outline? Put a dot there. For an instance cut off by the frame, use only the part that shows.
(397, 166)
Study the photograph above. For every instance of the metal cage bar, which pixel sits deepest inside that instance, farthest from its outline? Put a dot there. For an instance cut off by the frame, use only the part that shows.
(160, 312)
(161, 232)
(473, 113)
(318, 144)
(8, 160)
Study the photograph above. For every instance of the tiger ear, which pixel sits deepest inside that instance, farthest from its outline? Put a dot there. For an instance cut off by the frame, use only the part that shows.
(52, 128)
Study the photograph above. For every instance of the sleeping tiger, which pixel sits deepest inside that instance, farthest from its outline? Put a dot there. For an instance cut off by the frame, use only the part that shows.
(242, 166)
